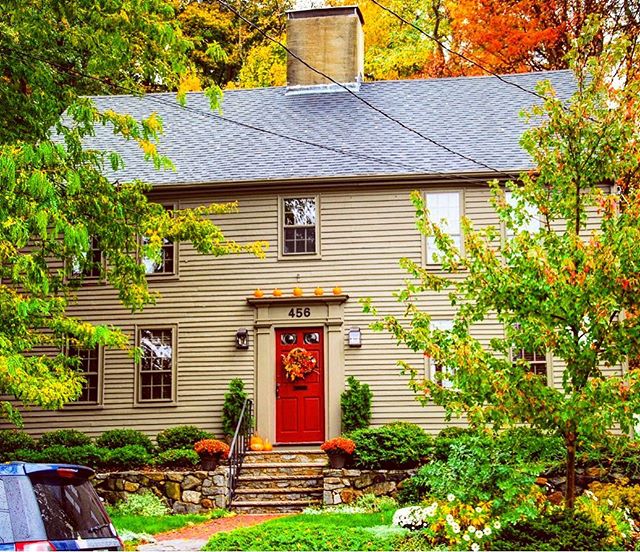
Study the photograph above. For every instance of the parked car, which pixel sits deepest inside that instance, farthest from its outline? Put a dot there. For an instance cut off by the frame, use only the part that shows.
(52, 507)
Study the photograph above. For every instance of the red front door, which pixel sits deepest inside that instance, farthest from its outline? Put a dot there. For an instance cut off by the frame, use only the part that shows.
(300, 403)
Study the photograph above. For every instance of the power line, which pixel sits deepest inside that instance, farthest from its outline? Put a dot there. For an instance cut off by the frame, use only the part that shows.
(346, 88)
(454, 52)
(209, 114)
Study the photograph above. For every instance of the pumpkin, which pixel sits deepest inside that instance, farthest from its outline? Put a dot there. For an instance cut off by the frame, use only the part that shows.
(318, 291)
(267, 445)
(257, 446)
(277, 292)
(337, 290)
(255, 439)
(297, 292)
(258, 293)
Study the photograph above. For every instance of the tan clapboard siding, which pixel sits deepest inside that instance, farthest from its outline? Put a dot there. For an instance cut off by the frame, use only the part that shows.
(363, 235)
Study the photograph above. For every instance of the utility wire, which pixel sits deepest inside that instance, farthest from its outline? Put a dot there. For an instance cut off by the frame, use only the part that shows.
(209, 114)
(454, 52)
(346, 88)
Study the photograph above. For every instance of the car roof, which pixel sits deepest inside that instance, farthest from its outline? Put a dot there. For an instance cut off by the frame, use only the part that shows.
(25, 468)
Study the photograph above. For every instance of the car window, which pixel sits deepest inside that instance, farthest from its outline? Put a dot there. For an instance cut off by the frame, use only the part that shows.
(71, 509)
(6, 533)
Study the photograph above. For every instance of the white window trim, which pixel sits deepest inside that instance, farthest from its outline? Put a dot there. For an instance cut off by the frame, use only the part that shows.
(299, 256)
(549, 361)
(462, 210)
(440, 324)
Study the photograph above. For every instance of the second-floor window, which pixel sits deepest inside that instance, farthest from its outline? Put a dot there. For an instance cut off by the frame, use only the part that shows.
(166, 263)
(299, 232)
(90, 264)
(444, 210)
(532, 225)
(87, 362)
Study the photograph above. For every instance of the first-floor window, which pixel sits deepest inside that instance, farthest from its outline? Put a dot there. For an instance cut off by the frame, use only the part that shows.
(537, 361)
(446, 371)
(87, 362)
(156, 371)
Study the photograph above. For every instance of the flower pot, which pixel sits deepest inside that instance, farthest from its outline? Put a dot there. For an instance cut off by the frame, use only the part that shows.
(210, 463)
(337, 460)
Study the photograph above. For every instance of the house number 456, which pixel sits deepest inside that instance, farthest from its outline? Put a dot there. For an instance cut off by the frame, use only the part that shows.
(300, 312)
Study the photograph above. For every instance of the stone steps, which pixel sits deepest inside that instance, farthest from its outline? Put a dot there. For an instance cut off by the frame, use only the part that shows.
(280, 481)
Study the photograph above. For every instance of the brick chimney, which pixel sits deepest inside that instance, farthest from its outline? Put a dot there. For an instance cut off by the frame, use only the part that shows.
(332, 41)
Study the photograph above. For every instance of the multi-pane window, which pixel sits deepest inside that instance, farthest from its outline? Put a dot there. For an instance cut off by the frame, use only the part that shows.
(87, 362)
(446, 371)
(299, 234)
(90, 264)
(532, 225)
(166, 263)
(444, 210)
(537, 361)
(156, 365)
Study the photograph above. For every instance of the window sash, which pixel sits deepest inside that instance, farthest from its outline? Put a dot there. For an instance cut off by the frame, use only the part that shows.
(435, 368)
(445, 209)
(299, 226)
(537, 361)
(167, 258)
(156, 368)
(89, 366)
(93, 261)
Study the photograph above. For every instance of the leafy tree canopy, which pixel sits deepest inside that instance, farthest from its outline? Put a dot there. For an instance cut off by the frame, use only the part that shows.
(571, 288)
(56, 205)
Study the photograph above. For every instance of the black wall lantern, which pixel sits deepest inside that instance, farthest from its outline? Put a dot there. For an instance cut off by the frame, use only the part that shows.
(355, 337)
(242, 338)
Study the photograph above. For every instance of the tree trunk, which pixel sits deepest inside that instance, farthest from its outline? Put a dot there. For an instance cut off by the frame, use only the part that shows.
(570, 495)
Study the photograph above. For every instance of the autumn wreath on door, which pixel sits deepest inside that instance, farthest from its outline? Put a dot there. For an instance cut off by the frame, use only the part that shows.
(298, 363)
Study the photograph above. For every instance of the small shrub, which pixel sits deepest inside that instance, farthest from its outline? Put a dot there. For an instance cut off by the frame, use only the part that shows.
(620, 496)
(64, 438)
(142, 504)
(177, 458)
(181, 437)
(397, 445)
(86, 455)
(129, 457)
(232, 407)
(356, 405)
(561, 530)
(12, 440)
(118, 438)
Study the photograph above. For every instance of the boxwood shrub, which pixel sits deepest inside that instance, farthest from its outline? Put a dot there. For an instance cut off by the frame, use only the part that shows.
(391, 446)
(87, 455)
(118, 438)
(127, 458)
(181, 437)
(177, 458)
(12, 440)
(64, 438)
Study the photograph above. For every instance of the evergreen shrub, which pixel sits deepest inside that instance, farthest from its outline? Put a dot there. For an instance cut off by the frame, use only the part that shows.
(177, 458)
(232, 407)
(64, 438)
(355, 402)
(12, 440)
(181, 437)
(117, 438)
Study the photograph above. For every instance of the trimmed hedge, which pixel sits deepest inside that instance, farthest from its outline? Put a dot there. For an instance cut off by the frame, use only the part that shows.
(392, 446)
(181, 437)
(12, 440)
(64, 438)
(177, 458)
(118, 438)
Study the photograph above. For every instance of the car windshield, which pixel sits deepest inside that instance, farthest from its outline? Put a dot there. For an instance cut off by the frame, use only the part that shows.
(71, 509)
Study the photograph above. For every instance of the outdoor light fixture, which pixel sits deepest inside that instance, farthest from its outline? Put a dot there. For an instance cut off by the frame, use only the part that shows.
(355, 337)
(242, 338)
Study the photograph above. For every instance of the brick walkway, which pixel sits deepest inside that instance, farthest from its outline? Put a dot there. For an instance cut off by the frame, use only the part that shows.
(191, 539)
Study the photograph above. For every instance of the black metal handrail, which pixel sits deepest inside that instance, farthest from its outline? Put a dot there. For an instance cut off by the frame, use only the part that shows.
(239, 446)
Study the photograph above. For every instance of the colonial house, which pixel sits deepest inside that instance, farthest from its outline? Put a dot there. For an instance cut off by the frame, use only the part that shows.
(323, 173)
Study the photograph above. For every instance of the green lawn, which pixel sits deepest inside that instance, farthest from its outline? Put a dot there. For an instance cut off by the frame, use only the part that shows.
(329, 531)
(152, 525)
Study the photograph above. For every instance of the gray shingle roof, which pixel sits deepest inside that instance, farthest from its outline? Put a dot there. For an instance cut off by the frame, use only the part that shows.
(475, 116)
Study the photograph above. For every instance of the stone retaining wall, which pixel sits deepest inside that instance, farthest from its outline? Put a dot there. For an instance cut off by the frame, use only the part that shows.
(345, 486)
(184, 492)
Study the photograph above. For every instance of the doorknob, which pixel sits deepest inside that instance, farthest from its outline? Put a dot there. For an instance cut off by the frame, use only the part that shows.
(277, 390)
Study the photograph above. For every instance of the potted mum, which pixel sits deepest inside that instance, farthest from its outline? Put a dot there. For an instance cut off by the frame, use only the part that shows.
(339, 450)
(210, 451)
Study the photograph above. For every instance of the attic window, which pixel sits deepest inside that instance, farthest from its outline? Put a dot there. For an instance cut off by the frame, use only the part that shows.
(299, 235)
